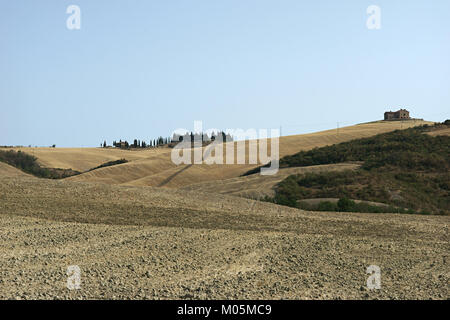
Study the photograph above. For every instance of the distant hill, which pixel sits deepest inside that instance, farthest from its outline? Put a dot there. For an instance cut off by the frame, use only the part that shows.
(154, 167)
(405, 168)
(27, 163)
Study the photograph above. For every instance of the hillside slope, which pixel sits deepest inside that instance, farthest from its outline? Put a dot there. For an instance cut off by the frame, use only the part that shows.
(83, 159)
(9, 171)
(404, 168)
(257, 186)
(157, 169)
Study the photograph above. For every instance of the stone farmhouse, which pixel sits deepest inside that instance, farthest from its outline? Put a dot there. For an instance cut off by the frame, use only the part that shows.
(401, 114)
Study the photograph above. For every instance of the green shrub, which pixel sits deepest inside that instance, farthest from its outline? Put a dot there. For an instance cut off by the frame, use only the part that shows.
(345, 204)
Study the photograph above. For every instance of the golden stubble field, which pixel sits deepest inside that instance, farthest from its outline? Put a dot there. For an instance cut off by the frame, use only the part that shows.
(135, 241)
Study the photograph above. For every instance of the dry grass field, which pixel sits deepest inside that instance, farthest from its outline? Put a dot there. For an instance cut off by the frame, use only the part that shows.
(148, 229)
(155, 168)
(9, 171)
(440, 132)
(257, 186)
(82, 159)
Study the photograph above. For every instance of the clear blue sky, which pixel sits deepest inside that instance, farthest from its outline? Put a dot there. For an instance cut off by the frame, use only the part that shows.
(144, 68)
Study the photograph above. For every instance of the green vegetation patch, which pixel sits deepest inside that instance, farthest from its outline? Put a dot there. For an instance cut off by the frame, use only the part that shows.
(405, 169)
(348, 205)
(28, 163)
(110, 163)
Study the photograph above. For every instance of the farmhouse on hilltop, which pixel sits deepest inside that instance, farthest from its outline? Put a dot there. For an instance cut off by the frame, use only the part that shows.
(401, 114)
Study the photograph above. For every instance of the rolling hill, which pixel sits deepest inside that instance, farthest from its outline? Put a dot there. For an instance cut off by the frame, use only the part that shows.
(405, 168)
(9, 171)
(257, 186)
(148, 229)
(153, 167)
